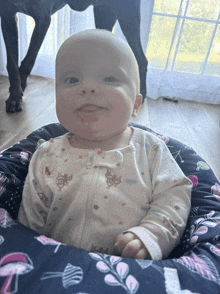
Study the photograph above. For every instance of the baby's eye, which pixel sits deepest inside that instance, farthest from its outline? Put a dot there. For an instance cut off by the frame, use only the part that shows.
(72, 80)
(110, 79)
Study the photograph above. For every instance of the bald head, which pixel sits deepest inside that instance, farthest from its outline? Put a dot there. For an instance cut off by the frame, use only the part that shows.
(101, 43)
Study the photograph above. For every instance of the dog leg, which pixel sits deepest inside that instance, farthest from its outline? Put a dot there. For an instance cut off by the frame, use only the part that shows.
(105, 17)
(41, 27)
(129, 20)
(10, 34)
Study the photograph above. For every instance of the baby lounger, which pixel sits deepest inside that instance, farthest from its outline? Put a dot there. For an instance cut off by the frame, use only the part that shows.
(30, 263)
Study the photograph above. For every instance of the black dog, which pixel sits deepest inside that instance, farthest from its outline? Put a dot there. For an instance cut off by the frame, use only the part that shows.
(106, 12)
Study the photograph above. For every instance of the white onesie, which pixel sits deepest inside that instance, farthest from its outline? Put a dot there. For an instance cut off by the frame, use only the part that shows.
(85, 198)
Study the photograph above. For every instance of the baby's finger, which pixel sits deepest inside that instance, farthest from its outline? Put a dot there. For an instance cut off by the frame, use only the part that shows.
(121, 241)
(142, 254)
(132, 248)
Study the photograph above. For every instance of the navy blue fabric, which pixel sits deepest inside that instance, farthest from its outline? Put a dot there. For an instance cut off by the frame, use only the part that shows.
(30, 263)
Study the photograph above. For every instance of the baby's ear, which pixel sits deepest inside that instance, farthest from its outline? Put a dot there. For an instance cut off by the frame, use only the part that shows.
(137, 104)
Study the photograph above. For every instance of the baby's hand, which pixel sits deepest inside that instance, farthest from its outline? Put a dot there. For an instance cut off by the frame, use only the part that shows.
(130, 246)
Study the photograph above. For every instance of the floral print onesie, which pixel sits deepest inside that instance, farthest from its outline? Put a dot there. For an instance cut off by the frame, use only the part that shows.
(85, 198)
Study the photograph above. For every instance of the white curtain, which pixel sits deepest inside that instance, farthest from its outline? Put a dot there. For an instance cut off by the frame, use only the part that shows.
(184, 50)
(176, 69)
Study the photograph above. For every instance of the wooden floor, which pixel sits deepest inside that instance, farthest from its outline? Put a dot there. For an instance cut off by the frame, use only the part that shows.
(196, 125)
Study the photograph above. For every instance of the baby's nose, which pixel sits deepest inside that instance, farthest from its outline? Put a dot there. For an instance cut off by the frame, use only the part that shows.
(88, 88)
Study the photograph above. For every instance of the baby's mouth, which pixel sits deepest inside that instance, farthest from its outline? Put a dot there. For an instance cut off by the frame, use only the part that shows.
(90, 108)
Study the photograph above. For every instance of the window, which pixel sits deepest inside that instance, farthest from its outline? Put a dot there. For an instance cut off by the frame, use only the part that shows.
(183, 50)
(185, 36)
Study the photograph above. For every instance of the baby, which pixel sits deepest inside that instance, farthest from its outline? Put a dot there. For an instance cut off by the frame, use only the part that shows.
(104, 187)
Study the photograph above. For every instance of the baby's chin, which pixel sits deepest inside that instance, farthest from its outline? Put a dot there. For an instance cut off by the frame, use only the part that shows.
(90, 132)
(87, 120)
(88, 140)
(88, 129)
(82, 123)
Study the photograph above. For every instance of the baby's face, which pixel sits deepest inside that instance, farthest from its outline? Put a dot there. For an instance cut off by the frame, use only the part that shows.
(95, 89)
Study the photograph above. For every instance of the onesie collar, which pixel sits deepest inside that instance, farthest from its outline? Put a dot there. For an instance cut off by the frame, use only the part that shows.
(97, 157)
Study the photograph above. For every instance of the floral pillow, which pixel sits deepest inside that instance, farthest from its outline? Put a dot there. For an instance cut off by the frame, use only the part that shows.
(30, 263)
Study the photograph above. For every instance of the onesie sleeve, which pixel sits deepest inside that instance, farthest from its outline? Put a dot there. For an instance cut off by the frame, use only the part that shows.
(36, 197)
(164, 224)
